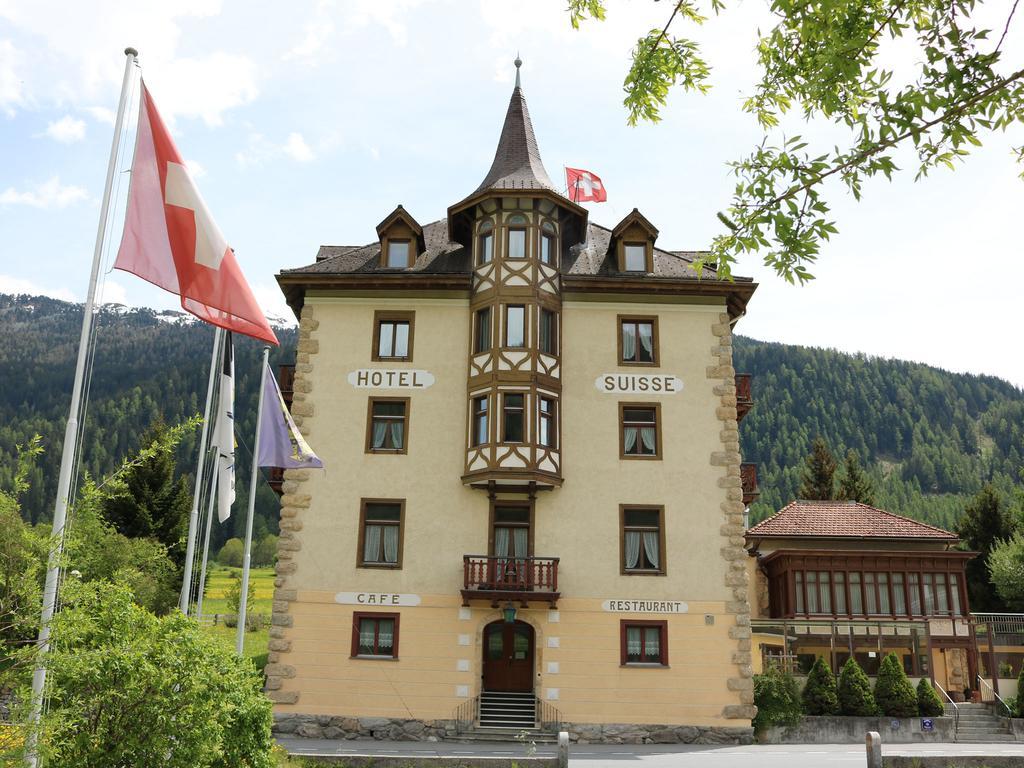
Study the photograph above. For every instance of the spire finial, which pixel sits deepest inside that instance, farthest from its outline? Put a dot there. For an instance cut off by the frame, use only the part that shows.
(518, 63)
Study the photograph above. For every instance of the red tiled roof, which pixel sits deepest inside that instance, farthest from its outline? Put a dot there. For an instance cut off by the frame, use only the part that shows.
(843, 519)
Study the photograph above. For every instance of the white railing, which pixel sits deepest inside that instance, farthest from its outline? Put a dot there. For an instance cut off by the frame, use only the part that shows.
(956, 710)
(983, 681)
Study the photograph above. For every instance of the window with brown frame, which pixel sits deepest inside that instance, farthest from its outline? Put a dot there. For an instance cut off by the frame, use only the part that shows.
(639, 432)
(393, 335)
(635, 257)
(515, 325)
(516, 240)
(485, 243)
(481, 432)
(548, 244)
(547, 425)
(642, 539)
(643, 642)
(876, 593)
(381, 533)
(387, 425)
(374, 635)
(638, 340)
(513, 417)
(399, 252)
(547, 332)
(482, 331)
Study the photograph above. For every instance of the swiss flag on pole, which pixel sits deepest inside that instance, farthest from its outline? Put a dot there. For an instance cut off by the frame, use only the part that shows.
(171, 240)
(584, 185)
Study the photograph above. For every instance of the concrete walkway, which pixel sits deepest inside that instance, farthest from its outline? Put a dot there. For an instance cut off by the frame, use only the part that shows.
(651, 756)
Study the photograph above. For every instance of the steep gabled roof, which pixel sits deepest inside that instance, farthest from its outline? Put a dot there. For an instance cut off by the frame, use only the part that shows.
(517, 163)
(635, 217)
(843, 520)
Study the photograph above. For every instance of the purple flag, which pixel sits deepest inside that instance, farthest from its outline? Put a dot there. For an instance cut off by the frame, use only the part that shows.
(281, 445)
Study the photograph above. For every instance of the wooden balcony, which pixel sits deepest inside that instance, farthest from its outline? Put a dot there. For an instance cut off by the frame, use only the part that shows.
(502, 579)
(748, 477)
(286, 381)
(744, 398)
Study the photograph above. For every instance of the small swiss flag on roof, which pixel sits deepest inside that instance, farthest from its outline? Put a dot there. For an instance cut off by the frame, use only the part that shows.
(584, 185)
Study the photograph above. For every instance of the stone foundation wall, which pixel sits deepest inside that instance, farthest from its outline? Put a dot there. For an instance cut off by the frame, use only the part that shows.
(398, 729)
(851, 730)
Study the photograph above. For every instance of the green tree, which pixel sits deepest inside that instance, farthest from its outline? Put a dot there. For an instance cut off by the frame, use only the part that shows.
(820, 696)
(130, 689)
(265, 552)
(984, 524)
(1020, 693)
(149, 501)
(928, 702)
(894, 693)
(854, 484)
(819, 473)
(855, 698)
(232, 553)
(828, 61)
(234, 594)
(1006, 571)
(777, 698)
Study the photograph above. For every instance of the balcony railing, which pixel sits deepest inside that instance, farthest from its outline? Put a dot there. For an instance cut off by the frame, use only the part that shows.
(744, 398)
(748, 477)
(509, 578)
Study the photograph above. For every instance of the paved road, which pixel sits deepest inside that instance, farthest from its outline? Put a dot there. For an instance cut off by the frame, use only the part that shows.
(655, 756)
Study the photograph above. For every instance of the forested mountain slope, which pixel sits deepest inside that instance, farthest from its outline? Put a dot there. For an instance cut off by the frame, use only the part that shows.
(928, 438)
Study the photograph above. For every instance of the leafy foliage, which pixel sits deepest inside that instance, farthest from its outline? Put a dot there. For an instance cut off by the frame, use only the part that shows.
(820, 696)
(827, 60)
(928, 702)
(234, 594)
(1019, 704)
(232, 553)
(1006, 571)
(985, 523)
(265, 552)
(894, 693)
(855, 697)
(819, 474)
(777, 699)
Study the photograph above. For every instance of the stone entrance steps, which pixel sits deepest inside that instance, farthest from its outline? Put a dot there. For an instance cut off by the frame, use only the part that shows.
(978, 724)
(502, 709)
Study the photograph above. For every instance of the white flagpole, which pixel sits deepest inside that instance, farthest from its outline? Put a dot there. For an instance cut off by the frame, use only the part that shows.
(240, 638)
(211, 502)
(71, 430)
(193, 519)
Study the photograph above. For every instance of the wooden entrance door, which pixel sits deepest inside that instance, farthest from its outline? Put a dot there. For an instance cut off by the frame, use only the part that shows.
(508, 657)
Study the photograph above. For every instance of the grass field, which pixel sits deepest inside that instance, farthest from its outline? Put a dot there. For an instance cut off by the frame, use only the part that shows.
(215, 602)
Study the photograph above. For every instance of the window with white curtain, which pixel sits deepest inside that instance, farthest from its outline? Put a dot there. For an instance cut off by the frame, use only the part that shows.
(643, 540)
(381, 533)
(644, 642)
(639, 426)
(511, 537)
(638, 341)
(388, 421)
(375, 635)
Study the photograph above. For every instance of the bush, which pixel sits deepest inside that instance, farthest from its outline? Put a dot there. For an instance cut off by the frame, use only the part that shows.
(855, 697)
(265, 552)
(1020, 694)
(928, 702)
(894, 694)
(820, 696)
(232, 553)
(777, 698)
(129, 688)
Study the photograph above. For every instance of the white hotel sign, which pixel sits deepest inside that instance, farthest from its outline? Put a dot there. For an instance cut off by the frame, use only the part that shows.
(638, 384)
(383, 378)
(375, 598)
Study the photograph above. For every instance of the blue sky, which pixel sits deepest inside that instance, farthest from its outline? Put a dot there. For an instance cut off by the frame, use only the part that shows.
(307, 123)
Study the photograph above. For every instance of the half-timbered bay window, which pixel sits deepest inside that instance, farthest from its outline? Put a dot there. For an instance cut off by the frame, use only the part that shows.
(482, 330)
(638, 341)
(516, 234)
(480, 420)
(547, 332)
(638, 431)
(393, 333)
(515, 325)
(380, 533)
(546, 422)
(513, 419)
(375, 635)
(644, 642)
(387, 430)
(643, 539)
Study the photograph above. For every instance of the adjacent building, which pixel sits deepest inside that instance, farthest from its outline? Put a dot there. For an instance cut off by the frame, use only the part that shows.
(532, 508)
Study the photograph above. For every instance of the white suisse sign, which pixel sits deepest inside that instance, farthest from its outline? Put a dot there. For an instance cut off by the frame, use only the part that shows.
(645, 606)
(638, 384)
(375, 598)
(383, 378)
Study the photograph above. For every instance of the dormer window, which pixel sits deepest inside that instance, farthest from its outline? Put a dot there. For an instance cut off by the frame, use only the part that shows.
(635, 257)
(516, 244)
(398, 254)
(548, 243)
(485, 243)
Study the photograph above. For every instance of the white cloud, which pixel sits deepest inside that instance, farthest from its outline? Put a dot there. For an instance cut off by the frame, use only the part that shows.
(50, 194)
(112, 293)
(272, 302)
(10, 81)
(67, 130)
(202, 87)
(297, 149)
(16, 285)
(102, 114)
(318, 32)
(195, 169)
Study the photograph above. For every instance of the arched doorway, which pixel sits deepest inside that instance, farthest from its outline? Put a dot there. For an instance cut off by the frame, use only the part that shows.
(508, 656)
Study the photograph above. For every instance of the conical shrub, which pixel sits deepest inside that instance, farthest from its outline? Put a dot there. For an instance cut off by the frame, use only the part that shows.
(820, 696)
(855, 697)
(928, 702)
(894, 694)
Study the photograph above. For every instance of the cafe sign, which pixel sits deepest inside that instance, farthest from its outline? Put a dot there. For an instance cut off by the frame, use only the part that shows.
(638, 384)
(384, 378)
(375, 598)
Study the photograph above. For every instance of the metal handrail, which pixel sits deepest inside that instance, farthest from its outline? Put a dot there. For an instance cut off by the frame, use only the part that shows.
(983, 681)
(549, 716)
(956, 710)
(465, 715)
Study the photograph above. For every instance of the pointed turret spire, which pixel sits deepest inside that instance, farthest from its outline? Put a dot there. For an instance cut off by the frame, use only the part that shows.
(517, 163)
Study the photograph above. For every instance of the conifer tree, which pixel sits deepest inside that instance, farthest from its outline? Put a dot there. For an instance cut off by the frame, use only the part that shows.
(854, 691)
(928, 702)
(855, 485)
(984, 524)
(819, 473)
(894, 694)
(820, 696)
